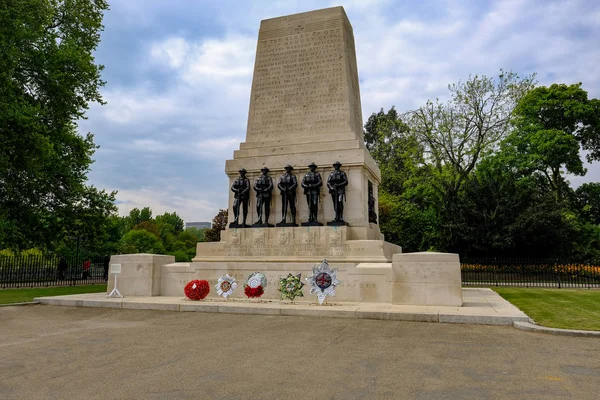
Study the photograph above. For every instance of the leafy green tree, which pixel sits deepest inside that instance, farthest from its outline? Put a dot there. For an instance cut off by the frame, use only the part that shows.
(137, 216)
(562, 108)
(503, 212)
(552, 123)
(48, 77)
(86, 224)
(407, 223)
(396, 151)
(587, 198)
(188, 239)
(456, 134)
(172, 220)
(149, 226)
(141, 241)
(197, 232)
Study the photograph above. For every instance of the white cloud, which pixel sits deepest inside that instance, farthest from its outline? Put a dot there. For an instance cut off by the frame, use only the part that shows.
(218, 149)
(197, 62)
(190, 203)
(172, 51)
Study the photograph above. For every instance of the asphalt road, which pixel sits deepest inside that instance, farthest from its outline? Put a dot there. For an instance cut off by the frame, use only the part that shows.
(88, 353)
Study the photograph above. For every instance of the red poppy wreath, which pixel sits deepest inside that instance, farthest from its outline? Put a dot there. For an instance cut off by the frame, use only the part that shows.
(197, 289)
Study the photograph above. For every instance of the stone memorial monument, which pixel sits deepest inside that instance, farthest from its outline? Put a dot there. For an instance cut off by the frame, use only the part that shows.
(305, 111)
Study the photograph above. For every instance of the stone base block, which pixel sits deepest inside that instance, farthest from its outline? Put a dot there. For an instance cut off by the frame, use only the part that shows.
(140, 274)
(361, 282)
(427, 278)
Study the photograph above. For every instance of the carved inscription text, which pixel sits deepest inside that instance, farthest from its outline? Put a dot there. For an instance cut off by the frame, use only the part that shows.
(300, 84)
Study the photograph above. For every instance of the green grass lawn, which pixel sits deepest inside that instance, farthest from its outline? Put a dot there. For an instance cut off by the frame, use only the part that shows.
(557, 308)
(24, 295)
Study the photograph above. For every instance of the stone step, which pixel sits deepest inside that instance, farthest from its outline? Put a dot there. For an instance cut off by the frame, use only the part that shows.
(300, 139)
(297, 148)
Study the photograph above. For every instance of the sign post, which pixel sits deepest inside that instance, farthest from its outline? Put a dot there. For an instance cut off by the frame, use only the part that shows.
(115, 269)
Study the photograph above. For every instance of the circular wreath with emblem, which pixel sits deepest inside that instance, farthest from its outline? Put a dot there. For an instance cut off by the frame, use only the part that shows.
(255, 285)
(291, 287)
(196, 289)
(323, 281)
(225, 285)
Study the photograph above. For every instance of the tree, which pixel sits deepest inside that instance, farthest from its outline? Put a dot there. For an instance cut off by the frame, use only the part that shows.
(396, 151)
(149, 226)
(503, 211)
(169, 223)
(86, 223)
(197, 232)
(219, 223)
(48, 77)
(588, 202)
(552, 123)
(457, 133)
(141, 241)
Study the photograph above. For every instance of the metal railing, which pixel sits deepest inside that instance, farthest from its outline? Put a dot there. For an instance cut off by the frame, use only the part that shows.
(528, 273)
(51, 270)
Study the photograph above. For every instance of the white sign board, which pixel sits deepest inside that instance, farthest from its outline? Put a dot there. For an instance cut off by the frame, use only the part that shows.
(115, 268)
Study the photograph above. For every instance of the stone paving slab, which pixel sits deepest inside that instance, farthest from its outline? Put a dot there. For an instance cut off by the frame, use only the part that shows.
(481, 306)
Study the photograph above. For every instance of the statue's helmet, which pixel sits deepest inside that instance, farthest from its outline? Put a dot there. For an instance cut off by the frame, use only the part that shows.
(242, 171)
(337, 163)
(312, 164)
(289, 167)
(265, 169)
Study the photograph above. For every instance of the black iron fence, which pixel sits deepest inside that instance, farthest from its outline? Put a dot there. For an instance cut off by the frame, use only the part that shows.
(51, 270)
(528, 273)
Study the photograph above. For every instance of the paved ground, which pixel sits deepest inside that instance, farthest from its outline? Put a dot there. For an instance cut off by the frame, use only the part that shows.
(480, 306)
(49, 352)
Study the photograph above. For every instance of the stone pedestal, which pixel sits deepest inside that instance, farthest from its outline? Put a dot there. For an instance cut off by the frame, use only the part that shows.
(426, 279)
(140, 274)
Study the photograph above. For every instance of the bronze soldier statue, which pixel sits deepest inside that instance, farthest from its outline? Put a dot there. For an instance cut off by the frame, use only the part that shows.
(287, 186)
(241, 188)
(371, 203)
(263, 188)
(336, 183)
(312, 183)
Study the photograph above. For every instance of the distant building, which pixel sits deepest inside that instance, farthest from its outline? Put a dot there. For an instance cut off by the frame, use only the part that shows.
(198, 225)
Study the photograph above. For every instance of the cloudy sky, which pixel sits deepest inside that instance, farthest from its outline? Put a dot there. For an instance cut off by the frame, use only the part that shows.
(179, 74)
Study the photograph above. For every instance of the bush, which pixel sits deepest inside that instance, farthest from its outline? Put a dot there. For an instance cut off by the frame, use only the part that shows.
(181, 256)
(141, 241)
(32, 253)
(7, 253)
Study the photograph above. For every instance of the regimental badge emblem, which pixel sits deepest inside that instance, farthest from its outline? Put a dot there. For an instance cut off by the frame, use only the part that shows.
(308, 237)
(283, 237)
(323, 281)
(259, 239)
(225, 285)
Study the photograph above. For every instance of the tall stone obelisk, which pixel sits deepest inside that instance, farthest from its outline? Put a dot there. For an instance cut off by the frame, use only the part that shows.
(305, 107)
